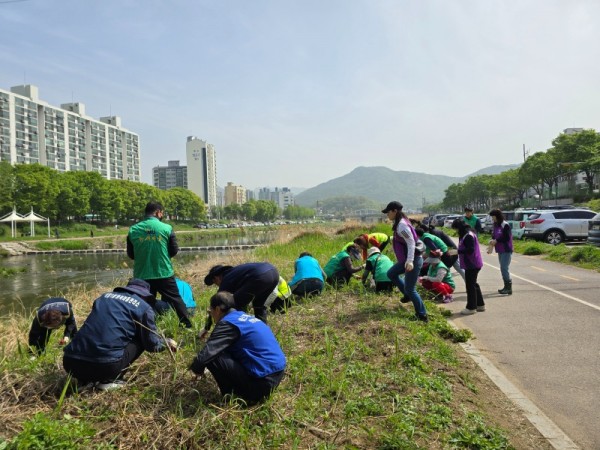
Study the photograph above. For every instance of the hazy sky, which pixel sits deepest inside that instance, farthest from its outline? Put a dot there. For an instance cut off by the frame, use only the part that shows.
(295, 93)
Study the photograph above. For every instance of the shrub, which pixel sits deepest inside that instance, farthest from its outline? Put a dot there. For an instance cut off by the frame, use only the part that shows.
(534, 248)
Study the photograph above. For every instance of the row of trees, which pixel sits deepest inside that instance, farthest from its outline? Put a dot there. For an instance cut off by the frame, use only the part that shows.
(570, 154)
(73, 195)
(61, 196)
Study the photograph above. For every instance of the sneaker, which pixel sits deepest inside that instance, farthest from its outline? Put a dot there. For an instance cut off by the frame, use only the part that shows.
(481, 308)
(86, 387)
(110, 385)
(421, 318)
(448, 298)
(468, 312)
(404, 299)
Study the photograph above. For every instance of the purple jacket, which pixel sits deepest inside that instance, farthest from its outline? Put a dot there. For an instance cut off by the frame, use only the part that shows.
(401, 248)
(469, 255)
(503, 236)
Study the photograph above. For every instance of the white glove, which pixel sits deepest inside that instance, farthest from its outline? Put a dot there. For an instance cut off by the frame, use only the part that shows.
(64, 341)
(172, 344)
(408, 266)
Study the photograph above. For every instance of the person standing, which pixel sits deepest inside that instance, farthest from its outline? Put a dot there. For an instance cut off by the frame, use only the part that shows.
(309, 277)
(470, 259)
(118, 330)
(409, 258)
(151, 244)
(242, 353)
(378, 264)
(472, 220)
(52, 314)
(339, 268)
(503, 244)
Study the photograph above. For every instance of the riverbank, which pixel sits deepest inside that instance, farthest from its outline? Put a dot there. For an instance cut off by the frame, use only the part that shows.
(360, 374)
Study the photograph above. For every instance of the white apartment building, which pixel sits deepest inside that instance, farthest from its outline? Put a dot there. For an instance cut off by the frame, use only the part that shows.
(202, 169)
(64, 138)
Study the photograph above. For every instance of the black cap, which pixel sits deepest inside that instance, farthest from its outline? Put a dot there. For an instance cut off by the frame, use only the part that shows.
(392, 206)
(209, 279)
(137, 286)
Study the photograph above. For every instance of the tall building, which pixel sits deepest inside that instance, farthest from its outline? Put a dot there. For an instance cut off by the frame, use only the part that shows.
(64, 138)
(234, 194)
(170, 176)
(202, 169)
(283, 197)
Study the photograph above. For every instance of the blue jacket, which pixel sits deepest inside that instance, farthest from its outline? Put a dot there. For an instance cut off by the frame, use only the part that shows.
(306, 267)
(117, 318)
(248, 340)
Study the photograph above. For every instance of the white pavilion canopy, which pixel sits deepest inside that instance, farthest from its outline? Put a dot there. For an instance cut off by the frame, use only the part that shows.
(14, 217)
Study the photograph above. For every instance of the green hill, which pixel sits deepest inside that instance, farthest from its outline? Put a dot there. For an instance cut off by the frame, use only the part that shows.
(381, 185)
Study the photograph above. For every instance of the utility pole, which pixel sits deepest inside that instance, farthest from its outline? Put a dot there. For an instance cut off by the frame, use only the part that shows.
(525, 154)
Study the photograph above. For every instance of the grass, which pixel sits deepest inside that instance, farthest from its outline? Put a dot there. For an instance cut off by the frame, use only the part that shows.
(360, 374)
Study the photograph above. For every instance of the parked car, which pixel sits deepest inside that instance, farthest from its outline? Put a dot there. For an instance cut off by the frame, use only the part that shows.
(438, 220)
(451, 218)
(555, 227)
(518, 221)
(594, 231)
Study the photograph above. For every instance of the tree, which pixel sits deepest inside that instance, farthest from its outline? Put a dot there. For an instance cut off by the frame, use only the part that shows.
(7, 187)
(249, 210)
(580, 150)
(184, 204)
(36, 187)
(233, 211)
(73, 198)
(539, 170)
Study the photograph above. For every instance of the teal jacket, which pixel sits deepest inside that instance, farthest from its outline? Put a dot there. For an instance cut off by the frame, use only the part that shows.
(152, 244)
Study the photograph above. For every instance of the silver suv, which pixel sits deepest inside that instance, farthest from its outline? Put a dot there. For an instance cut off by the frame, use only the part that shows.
(555, 227)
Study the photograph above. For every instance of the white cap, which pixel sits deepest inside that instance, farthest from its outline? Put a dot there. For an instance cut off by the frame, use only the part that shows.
(373, 250)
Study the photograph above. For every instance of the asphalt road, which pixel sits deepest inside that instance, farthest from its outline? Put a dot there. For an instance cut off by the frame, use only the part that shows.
(545, 338)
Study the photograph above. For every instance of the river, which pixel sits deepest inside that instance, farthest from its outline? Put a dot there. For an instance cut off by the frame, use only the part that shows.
(52, 275)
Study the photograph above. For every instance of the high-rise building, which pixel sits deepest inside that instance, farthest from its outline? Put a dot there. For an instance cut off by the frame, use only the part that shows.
(202, 169)
(170, 176)
(64, 138)
(234, 194)
(283, 197)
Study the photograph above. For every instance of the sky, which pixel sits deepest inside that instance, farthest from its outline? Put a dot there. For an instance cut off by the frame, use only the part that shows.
(295, 93)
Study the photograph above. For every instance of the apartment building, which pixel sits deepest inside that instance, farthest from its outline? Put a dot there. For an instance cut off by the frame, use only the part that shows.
(234, 194)
(64, 138)
(170, 176)
(202, 169)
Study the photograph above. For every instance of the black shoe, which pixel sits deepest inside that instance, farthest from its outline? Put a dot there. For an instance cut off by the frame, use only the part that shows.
(419, 317)
(404, 299)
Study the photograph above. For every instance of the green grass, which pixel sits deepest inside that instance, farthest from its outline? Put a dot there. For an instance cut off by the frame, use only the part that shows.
(360, 374)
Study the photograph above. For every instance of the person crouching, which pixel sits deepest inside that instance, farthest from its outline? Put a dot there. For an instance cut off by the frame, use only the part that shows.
(241, 353)
(438, 279)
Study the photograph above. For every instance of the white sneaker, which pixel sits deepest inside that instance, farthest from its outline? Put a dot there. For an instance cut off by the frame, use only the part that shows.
(481, 308)
(117, 384)
(468, 312)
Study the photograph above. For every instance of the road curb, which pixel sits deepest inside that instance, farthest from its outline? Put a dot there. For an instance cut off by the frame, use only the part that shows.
(547, 428)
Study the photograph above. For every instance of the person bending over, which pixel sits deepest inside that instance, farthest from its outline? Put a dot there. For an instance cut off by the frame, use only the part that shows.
(52, 314)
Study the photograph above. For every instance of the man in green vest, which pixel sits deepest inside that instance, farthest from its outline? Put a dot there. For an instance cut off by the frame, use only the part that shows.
(472, 220)
(152, 244)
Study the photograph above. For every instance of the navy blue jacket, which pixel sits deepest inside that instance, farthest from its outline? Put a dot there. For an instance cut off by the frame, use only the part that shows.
(250, 282)
(117, 318)
(38, 334)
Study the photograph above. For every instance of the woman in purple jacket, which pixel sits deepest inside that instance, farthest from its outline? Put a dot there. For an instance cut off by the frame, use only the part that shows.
(470, 259)
(503, 244)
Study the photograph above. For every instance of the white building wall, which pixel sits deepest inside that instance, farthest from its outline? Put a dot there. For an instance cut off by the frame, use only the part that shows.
(202, 169)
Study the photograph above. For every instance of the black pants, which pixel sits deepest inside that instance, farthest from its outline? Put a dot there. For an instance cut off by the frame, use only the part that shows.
(383, 286)
(308, 287)
(340, 277)
(170, 294)
(86, 371)
(474, 295)
(233, 378)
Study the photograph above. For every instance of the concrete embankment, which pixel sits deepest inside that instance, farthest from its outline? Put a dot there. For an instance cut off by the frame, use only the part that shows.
(16, 248)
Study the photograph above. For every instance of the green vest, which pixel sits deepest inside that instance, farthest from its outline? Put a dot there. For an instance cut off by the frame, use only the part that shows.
(437, 241)
(335, 263)
(432, 272)
(150, 239)
(381, 264)
(472, 222)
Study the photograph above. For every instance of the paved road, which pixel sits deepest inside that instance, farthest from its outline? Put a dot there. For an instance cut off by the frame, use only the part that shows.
(545, 338)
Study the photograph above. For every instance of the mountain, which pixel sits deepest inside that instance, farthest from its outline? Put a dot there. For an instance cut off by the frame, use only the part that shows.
(383, 185)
